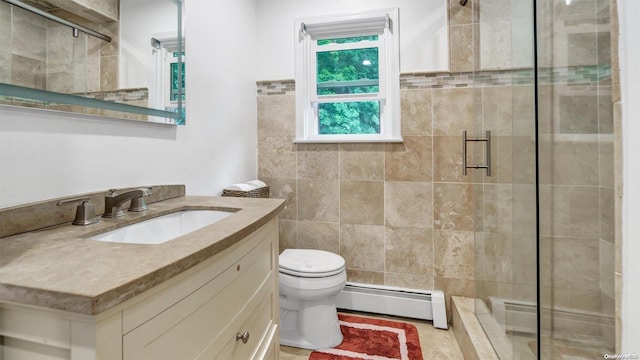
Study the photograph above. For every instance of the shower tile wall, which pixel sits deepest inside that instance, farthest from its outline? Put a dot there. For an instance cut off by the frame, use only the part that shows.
(42, 54)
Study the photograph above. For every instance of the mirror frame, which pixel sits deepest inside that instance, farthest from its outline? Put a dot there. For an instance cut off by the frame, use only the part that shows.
(51, 98)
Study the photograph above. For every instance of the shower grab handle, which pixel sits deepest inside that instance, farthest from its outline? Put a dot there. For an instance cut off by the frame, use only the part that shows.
(487, 141)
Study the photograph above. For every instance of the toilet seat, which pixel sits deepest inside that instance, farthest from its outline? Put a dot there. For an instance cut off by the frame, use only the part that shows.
(310, 263)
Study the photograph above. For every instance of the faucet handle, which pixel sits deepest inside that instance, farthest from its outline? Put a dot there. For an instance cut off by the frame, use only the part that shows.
(139, 203)
(85, 211)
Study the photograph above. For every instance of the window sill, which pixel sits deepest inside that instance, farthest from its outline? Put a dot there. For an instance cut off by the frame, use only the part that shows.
(349, 140)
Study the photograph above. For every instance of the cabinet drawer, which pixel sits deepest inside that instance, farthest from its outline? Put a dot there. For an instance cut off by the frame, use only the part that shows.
(260, 326)
(185, 329)
(272, 349)
(156, 300)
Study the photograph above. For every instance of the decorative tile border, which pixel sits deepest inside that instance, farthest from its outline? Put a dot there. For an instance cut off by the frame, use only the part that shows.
(583, 75)
(122, 95)
(135, 96)
(276, 87)
(10, 100)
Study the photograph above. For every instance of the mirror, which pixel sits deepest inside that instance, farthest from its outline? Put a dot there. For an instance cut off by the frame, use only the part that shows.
(121, 59)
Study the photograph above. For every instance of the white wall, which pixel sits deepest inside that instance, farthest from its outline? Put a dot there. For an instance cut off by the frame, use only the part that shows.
(628, 13)
(45, 154)
(138, 20)
(423, 32)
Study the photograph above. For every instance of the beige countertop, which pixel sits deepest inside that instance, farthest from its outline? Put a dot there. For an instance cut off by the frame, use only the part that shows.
(60, 268)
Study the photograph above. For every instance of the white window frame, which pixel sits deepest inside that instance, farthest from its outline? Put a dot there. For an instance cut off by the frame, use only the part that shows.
(383, 23)
(163, 45)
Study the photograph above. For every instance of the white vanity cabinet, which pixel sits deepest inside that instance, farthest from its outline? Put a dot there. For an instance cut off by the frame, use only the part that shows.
(223, 308)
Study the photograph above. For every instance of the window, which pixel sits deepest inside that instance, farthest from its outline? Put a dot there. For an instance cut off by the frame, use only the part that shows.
(177, 77)
(167, 75)
(347, 78)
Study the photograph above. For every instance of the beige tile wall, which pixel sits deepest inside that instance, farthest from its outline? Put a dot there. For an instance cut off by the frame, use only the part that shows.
(400, 214)
(5, 42)
(42, 54)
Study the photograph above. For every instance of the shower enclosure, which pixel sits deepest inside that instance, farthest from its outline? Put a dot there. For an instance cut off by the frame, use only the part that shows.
(544, 224)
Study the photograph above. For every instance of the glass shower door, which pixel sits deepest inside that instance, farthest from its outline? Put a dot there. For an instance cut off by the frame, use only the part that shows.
(576, 179)
(506, 220)
(545, 229)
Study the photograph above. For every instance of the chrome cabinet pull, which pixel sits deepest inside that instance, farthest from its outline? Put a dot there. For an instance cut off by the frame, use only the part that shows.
(244, 337)
(487, 141)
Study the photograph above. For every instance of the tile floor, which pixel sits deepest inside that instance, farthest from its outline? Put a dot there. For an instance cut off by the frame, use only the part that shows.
(435, 343)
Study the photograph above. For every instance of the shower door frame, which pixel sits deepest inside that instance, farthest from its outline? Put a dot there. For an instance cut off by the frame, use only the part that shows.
(518, 281)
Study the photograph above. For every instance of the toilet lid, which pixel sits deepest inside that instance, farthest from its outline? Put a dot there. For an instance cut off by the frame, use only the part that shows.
(310, 263)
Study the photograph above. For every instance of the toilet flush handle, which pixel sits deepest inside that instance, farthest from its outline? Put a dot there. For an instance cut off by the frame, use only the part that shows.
(244, 337)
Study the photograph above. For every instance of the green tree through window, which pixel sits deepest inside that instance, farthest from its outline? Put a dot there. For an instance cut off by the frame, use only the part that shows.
(174, 78)
(350, 71)
(349, 117)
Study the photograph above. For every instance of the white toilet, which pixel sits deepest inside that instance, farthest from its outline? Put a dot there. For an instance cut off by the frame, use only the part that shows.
(309, 283)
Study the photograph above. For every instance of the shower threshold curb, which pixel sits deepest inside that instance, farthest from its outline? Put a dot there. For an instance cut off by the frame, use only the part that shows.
(469, 333)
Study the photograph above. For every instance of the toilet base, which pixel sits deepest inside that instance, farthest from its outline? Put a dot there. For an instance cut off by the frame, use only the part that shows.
(312, 324)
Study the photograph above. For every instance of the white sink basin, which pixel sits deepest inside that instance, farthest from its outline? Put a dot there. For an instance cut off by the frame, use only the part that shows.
(163, 228)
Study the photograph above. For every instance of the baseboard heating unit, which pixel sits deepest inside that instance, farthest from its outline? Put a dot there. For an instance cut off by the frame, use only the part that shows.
(417, 304)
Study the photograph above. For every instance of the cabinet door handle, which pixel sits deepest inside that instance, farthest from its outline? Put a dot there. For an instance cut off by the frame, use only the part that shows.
(243, 336)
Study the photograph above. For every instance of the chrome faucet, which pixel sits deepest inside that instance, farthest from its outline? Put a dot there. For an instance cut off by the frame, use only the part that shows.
(113, 202)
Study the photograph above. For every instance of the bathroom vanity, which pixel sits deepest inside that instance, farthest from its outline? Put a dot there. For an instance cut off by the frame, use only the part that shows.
(210, 294)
